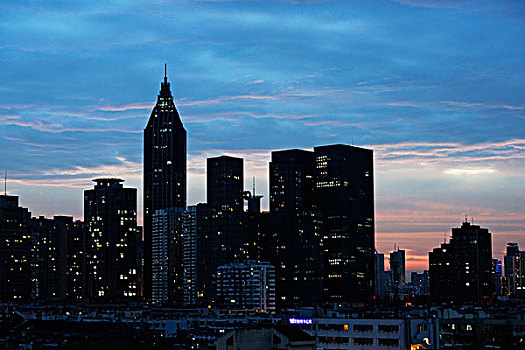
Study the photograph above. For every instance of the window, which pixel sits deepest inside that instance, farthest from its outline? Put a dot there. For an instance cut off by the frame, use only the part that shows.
(363, 328)
(363, 341)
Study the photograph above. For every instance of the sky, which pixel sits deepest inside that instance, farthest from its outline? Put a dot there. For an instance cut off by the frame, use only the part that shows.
(435, 87)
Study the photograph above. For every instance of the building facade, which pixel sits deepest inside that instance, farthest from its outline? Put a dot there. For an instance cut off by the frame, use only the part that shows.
(248, 286)
(164, 168)
(110, 214)
(15, 251)
(461, 270)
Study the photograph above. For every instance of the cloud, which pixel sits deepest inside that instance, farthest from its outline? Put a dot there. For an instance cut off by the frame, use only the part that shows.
(469, 171)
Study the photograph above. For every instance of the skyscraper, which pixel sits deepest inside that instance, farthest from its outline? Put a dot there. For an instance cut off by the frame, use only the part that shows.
(15, 251)
(322, 203)
(164, 168)
(397, 265)
(295, 229)
(461, 270)
(344, 193)
(220, 230)
(515, 269)
(225, 184)
(110, 214)
(380, 283)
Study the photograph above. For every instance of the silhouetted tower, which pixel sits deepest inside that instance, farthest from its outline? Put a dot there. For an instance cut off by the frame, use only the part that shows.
(164, 168)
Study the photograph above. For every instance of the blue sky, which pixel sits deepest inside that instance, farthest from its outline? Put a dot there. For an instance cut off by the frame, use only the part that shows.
(435, 87)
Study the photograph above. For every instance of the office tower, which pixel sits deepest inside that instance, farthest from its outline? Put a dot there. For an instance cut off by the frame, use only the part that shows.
(461, 270)
(497, 277)
(397, 265)
(247, 286)
(225, 184)
(380, 284)
(220, 227)
(420, 282)
(189, 255)
(15, 251)
(164, 168)
(295, 232)
(49, 258)
(167, 269)
(514, 262)
(110, 215)
(344, 193)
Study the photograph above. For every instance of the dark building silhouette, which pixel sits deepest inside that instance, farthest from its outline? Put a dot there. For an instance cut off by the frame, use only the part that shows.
(220, 227)
(295, 238)
(344, 193)
(110, 215)
(15, 251)
(77, 251)
(225, 185)
(322, 207)
(380, 276)
(461, 270)
(49, 258)
(164, 168)
(514, 261)
(397, 265)
(58, 261)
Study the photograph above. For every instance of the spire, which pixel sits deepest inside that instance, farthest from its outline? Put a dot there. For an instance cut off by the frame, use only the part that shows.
(165, 73)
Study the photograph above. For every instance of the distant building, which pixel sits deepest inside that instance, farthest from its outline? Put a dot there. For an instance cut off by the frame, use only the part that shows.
(497, 277)
(397, 265)
(461, 270)
(380, 283)
(247, 286)
(164, 168)
(15, 251)
(420, 282)
(110, 214)
(514, 262)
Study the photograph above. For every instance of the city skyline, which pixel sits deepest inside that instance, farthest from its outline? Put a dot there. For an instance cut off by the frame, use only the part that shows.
(447, 142)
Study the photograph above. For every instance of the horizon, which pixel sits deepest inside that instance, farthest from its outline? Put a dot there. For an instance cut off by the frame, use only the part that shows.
(435, 89)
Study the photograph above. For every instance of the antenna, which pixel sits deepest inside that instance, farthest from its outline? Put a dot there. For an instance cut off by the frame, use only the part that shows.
(254, 186)
(165, 69)
(5, 183)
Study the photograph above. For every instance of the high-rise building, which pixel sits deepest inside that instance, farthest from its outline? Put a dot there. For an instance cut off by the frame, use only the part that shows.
(461, 270)
(49, 258)
(344, 193)
(220, 228)
(514, 262)
(295, 233)
(77, 251)
(110, 214)
(164, 168)
(189, 256)
(225, 184)
(15, 251)
(167, 259)
(58, 261)
(397, 265)
(497, 277)
(322, 207)
(380, 284)
(247, 286)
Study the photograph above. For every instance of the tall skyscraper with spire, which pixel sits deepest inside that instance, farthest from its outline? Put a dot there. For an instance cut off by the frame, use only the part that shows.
(164, 168)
